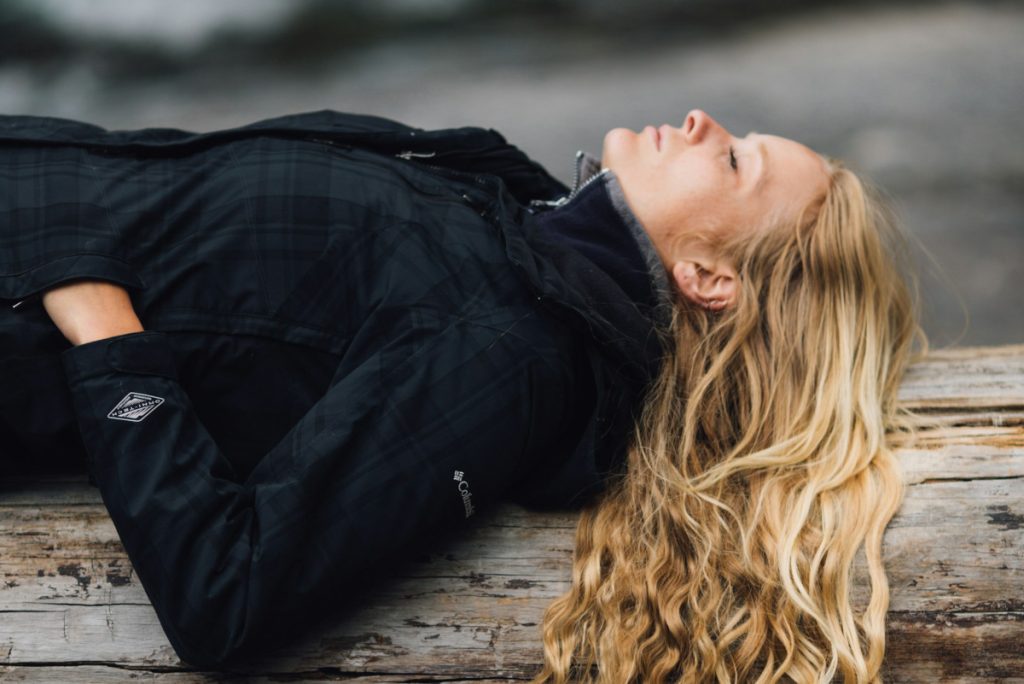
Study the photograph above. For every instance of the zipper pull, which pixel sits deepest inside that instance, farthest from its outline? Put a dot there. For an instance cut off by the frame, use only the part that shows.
(549, 204)
(30, 298)
(409, 154)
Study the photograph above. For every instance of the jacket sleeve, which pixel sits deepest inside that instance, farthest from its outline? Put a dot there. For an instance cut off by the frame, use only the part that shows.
(411, 442)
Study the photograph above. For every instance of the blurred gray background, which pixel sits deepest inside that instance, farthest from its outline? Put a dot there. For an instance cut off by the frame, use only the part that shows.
(926, 99)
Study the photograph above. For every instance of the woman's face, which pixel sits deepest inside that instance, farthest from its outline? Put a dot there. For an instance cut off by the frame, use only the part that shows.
(701, 178)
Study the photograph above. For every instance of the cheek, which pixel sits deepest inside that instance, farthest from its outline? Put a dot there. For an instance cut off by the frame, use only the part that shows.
(689, 196)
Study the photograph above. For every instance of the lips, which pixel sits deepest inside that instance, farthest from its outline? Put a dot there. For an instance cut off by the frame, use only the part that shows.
(656, 135)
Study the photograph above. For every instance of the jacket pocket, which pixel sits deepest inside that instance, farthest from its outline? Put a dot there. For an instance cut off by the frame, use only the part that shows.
(30, 284)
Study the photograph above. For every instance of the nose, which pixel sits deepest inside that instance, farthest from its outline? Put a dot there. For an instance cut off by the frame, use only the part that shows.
(699, 124)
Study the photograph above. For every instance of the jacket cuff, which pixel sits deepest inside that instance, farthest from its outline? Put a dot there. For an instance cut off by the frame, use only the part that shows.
(142, 353)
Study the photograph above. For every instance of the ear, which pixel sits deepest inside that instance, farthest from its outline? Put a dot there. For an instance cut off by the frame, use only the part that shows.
(707, 283)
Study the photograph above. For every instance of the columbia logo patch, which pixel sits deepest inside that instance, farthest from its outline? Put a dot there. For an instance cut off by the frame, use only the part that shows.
(135, 407)
(464, 492)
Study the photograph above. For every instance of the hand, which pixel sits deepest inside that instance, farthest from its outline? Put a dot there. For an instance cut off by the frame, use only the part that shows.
(89, 310)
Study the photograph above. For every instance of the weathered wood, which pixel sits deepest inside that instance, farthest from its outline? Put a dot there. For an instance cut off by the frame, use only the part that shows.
(93, 674)
(967, 378)
(72, 610)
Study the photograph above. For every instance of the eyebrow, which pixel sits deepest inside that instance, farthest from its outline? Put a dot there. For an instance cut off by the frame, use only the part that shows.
(762, 176)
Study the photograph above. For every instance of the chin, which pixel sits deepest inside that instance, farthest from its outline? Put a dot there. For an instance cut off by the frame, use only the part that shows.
(617, 142)
(619, 133)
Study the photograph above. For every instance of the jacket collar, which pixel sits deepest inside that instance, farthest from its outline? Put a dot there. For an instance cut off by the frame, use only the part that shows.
(627, 328)
(588, 170)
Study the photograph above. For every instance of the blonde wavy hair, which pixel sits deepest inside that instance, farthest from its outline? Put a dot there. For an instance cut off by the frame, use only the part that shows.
(762, 461)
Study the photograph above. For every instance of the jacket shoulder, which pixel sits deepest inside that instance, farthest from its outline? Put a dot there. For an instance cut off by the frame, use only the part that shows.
(468, 149)
(29, 128)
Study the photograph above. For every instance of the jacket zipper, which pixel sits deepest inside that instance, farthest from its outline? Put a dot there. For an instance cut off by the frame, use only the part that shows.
(590, 180)
(409, 155)
(576, 187)
(444, 170)
(576, 171)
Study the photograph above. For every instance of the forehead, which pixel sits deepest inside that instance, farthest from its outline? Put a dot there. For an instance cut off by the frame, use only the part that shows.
(796, 170)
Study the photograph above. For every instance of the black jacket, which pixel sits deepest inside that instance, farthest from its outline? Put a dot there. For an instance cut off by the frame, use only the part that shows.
(357, 334)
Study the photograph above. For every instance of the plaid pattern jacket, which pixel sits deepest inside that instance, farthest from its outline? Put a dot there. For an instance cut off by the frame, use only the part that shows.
(355, 338)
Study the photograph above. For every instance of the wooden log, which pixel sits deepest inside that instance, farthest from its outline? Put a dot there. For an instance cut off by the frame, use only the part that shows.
(71, 608)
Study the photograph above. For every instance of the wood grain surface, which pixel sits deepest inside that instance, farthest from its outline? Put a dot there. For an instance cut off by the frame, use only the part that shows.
(72, 610)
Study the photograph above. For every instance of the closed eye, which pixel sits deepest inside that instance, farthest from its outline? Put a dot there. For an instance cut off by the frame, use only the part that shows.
(732, 159)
